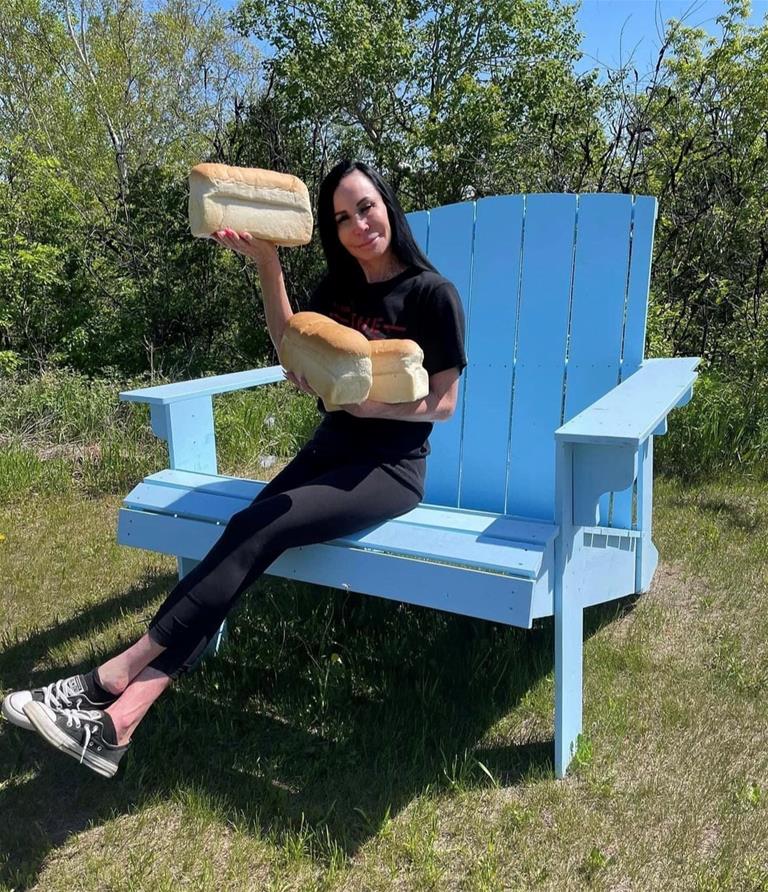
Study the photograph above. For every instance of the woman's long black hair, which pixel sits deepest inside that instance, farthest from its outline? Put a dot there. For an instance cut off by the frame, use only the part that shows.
(343, 268)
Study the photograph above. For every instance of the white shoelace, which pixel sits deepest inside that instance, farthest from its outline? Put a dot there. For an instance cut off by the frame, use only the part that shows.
(87, 719)
(61, 693)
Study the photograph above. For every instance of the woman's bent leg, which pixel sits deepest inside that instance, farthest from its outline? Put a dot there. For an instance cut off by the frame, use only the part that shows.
(131, 707)
(117, 673)
(344, 500)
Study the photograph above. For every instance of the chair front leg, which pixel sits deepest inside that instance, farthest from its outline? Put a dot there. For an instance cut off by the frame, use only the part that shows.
(569, 647)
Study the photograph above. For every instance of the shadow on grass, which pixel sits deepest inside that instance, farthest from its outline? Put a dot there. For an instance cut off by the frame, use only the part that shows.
(732, 507)
(324, 717)
(733, 513)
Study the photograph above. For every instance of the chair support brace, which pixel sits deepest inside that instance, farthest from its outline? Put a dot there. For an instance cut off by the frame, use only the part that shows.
(187, 428)
(597, 470)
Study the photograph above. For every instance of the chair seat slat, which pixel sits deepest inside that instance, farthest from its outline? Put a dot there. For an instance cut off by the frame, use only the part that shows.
(519, 529)
(488, 547)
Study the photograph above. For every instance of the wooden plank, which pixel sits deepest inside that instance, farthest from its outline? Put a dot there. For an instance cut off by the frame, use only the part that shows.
(396, 536)
(629, 413)
(451, 232)
(185, 390)
(516, 529)
(636, 314)
(490, 352)
(186, 503)
(452, 546)
(419, 223)
(643, 220)
(647, 555)
(465, 591)
(548, 240)
(190, 434)
(597, 306)
(600, 274)
(234, 487)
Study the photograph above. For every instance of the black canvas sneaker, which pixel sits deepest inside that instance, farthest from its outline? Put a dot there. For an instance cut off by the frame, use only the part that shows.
(76, 692)
(78, 733)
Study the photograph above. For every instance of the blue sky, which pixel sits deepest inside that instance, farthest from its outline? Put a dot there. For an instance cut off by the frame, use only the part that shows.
(614, 28)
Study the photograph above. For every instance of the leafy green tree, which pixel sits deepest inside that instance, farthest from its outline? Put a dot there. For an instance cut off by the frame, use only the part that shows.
(696, 137)
(106, 86)
(110, 97)
(44, 306)
(440, 96)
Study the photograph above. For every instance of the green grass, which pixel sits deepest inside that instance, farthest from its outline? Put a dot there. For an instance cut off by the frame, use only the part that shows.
(724, 429)
(63, 433)
(351, 743)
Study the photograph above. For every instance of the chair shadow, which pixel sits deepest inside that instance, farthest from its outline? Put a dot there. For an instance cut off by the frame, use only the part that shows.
(733, 513)
(269, 776)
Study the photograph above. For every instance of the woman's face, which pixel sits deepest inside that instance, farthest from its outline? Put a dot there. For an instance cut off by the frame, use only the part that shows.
(361, 219)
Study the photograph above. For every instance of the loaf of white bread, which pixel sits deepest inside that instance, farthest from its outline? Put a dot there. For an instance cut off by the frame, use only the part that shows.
(270, 205)
(342, 366)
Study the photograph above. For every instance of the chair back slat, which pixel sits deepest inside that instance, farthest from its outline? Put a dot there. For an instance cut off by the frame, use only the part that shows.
(641, 250)
(548, 238)
(643, 222)
(450, 243)
(419, 223)
(490, 352)
(598, 300)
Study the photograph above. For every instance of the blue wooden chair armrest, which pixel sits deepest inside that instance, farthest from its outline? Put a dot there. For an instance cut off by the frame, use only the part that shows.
(164, 394)
(607, 447)
(631, 412)
(182, 414)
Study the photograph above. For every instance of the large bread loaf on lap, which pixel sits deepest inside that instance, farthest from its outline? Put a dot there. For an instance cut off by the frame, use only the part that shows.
(398, 374)
(270, 205)
(342, 366)
(334, 359)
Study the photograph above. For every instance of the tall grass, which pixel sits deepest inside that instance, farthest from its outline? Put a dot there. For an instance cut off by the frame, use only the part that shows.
(61, 431)
(723, 429)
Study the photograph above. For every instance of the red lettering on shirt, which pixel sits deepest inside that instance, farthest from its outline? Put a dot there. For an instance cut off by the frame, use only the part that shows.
(373, 327)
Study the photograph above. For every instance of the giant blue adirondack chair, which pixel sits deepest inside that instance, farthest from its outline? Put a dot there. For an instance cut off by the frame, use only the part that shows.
(539, 488)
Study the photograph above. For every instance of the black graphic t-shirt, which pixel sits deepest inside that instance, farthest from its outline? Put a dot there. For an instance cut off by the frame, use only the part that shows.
(417, 304)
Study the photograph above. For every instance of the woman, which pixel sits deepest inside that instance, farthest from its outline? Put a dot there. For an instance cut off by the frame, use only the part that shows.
(364, 464)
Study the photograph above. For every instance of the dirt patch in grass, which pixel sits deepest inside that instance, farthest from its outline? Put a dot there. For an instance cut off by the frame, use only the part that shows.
(662, 624)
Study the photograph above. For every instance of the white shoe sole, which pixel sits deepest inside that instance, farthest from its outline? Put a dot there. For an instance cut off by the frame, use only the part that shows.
(15, 716)
(37, 715)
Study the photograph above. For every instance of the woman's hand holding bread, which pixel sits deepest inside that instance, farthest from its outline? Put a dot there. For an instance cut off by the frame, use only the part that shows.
(260, 250)
(300, 382)
(251, 211)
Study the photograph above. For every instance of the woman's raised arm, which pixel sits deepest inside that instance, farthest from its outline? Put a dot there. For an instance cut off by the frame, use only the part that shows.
(277, 308)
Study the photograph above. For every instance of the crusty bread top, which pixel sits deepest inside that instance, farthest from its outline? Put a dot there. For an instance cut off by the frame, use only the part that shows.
(318, 328)
(400, 347)
(251, 176)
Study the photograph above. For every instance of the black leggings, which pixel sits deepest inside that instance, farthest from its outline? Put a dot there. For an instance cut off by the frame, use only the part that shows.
(317, 497)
